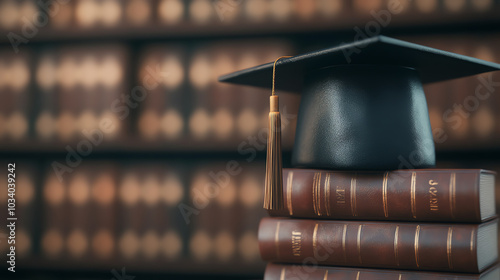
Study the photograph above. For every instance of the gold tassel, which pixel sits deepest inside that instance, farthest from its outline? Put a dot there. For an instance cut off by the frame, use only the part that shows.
(273, 193)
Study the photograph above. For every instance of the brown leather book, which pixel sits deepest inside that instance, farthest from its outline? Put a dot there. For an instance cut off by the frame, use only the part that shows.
(441, 195)
(467, 248)
(295, 272)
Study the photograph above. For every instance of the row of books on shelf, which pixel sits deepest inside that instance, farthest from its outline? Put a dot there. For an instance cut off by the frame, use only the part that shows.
(78, 88)
(150, 245)
(177, 97)
(69, 69)
(220, 124)
(85, 14)
(131, 245)
(224, 125)
(140, 184)
(133, 211)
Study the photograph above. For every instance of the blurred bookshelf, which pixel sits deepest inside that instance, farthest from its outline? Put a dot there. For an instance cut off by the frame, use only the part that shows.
(111, 215)
(131, 88)
(135, 19)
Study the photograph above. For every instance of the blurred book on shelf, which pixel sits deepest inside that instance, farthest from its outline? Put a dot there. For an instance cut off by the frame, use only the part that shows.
(152, 18)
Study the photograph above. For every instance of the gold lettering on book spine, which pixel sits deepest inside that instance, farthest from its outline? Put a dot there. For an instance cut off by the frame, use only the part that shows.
(359, 243)
(296, 243)
(289, 192)
(417, 236)
(448, 247)
(453, 178)
(384, 194)
(340, 195)
(344, 235)
(353, 196)
(396, 240)
(413, 185)
(327, 194)
(315, 237)
(276, 240)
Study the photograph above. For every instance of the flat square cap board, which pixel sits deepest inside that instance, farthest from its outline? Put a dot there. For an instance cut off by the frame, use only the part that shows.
(433, 65)
(362, 103)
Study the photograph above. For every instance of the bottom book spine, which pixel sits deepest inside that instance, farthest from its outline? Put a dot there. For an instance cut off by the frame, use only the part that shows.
(302, 272)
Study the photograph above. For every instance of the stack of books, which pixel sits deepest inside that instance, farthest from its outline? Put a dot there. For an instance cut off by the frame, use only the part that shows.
(403, 224)
(354, 116)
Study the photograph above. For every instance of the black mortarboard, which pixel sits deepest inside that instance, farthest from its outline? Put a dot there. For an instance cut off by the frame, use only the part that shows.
(362, 104)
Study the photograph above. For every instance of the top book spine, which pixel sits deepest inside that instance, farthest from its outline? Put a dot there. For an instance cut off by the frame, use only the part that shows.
(431, 195)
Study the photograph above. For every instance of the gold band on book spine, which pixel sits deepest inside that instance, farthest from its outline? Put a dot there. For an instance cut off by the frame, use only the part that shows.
(384, 194)
(396, 245)
(277, 239)
(289, 192)
(344, 235)
(472, 242)
(360, 228)
(449, 247)
(315, 238)
(453, 182)
(282, 274)
(327, 194)
(417, 240)
(353, 196)
(413, 194)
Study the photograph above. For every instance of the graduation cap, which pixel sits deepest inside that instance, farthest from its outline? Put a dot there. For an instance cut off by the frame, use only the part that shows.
(362, 104)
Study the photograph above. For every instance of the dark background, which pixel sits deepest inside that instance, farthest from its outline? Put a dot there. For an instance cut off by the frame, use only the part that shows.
(139, 77)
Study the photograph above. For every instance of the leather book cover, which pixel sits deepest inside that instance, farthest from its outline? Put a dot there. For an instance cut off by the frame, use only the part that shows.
(295, 272)
(438, 195)
(469, 248)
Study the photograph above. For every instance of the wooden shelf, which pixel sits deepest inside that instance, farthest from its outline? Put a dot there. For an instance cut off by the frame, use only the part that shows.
(343, 22)
(203, 149)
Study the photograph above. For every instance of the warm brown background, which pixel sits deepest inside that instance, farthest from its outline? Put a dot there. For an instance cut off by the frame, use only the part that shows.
(119, 207)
